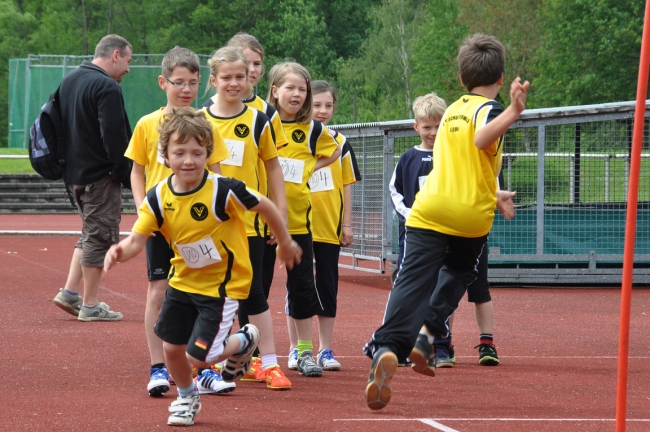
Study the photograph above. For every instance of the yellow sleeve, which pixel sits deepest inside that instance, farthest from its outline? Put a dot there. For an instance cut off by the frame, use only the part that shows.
(220, 151)
(146, 222)
(326, 145)
(137, 149)
(267, 148)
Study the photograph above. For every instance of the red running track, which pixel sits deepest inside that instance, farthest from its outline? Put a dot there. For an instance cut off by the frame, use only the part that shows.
(558, 349)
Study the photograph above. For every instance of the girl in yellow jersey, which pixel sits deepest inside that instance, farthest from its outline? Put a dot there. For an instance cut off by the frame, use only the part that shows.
(310, 147)
(248, 135)
(331, 196)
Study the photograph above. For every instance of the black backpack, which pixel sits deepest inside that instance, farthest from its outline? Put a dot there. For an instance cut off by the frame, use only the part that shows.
(47, 143)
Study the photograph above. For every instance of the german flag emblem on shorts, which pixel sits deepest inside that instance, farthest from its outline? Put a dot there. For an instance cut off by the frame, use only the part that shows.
(201, 344)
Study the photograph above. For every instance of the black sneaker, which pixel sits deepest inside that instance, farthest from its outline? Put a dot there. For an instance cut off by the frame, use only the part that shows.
(382, 369)
(422, 357)
(444, 352)
(487, 355)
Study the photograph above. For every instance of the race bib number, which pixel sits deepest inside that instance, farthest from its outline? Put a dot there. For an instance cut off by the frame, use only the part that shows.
(199, 254)
(236, 149)
(321, 180)
(292, 169)
(422, 179)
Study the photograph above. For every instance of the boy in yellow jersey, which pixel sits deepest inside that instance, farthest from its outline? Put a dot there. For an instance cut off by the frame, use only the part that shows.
(202, 217)
(180, 80)
(450, 219)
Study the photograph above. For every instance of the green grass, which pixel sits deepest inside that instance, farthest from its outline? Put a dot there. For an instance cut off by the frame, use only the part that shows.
(14, 166)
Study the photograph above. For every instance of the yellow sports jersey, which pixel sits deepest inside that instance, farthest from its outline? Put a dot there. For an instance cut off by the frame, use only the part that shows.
(205, 228)
(326, 186)
(143, 149)
(459, 195)
(249, 138)
(307, 142)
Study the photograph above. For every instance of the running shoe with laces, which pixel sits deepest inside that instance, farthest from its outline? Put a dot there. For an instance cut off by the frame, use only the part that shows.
(275, 379)
(293, 359)
(422, 357)
(382, 369)
(183, 410)
(487, 354)
(255, 371)
(444, 352)
(100, 312)
(71, 303)
(159, 381)
(326, 360)
(238, 364)
(307, 366)
(210, 382)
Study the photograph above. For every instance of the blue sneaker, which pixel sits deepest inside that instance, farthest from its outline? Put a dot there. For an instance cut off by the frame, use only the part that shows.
(158, 381)
(327, 361)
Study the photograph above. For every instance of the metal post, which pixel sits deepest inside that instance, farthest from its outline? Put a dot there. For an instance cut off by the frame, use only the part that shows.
(26, 112)
(387, 241)
(362, 248)
(607, 164)
(576, 165)
(541, 139)
(572, 179)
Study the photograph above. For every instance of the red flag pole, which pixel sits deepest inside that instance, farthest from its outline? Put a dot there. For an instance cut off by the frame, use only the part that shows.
(630, 225)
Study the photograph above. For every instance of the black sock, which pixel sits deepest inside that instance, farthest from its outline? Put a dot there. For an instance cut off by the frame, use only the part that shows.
(487, 338)
(158, 366)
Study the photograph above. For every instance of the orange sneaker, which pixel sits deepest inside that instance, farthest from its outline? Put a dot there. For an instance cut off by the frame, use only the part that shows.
(275, 379)
(255, 371)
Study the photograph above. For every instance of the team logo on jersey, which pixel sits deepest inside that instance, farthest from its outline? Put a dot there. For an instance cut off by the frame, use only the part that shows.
(298, 136)
(199, 211)
(169, 206)
(242, 131)
(465, 100)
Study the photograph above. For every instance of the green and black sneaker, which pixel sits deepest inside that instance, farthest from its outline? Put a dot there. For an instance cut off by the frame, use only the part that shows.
(487, 354)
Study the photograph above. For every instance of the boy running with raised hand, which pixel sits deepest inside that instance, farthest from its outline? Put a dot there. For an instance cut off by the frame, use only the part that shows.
(202, 217)
(450, 219)
(180, 80)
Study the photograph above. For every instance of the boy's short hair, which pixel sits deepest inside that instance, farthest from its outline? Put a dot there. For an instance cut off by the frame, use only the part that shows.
(186, 123)
(429, 106)
(481, 61)
(180, 57)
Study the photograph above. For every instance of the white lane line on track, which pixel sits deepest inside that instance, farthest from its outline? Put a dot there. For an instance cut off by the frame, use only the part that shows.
(437, 425)
(496, 419)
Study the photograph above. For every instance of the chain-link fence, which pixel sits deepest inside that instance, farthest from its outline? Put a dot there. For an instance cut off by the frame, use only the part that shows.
(570, 167)
(34, 79)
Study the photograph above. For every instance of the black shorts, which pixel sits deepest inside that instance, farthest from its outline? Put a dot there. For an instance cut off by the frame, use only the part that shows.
(256, 302)
(302, 298)
(202, 323)
(159, 256)
(479, 290)
(327, 276)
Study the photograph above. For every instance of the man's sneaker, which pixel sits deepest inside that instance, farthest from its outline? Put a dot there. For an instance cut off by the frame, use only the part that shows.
(327, 361)
(382, 369)
(158, 381)
(101, 312)
(293, 359)
(487, 355)
(422, 357)
(210, 382)
(307, 366)
(183, 410)
(68, 302)
(256, 371)
(275, 379)
(238, 364)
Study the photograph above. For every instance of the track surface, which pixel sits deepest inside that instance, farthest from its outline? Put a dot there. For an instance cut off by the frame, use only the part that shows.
(558, 349)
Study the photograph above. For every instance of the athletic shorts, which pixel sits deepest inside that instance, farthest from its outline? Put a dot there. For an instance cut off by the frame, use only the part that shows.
(100, 206)
(479, 290)
(201, 322)
(256, 303)
(302, 298)
(159, 256)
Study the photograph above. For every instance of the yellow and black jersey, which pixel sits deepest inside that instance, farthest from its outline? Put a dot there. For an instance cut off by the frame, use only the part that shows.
(205, 229)
(249, 138)
(307, 142)
(144, 150)
(326, 186)
(459, 195)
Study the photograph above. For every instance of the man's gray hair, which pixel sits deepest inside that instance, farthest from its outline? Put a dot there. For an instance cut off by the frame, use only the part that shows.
(110, 43)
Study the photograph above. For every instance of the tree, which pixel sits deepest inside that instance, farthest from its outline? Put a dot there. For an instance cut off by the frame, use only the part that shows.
(589, 52)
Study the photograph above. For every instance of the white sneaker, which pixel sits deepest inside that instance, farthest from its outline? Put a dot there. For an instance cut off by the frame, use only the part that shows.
(327, 361)
(210, 382)
(183, 410)
(238, 364)
(293, 359)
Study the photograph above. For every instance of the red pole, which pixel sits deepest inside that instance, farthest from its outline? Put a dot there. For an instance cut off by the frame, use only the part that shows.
(630, 225)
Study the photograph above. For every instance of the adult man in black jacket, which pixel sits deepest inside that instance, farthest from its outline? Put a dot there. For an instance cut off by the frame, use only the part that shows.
(97, 133)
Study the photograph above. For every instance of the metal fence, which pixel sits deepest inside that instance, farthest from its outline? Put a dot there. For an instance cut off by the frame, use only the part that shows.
(570, 167)
(33, 79)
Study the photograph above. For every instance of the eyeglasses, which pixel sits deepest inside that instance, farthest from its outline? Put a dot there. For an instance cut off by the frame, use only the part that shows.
(182, 84)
